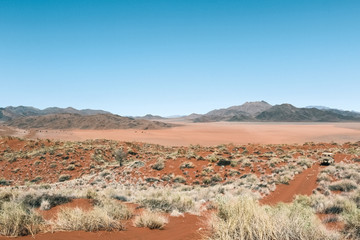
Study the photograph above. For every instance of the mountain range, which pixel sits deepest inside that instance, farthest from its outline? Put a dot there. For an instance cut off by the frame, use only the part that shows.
(66, 118)
(10, 113)
(261, 111)
(76, 121)
(264, 112)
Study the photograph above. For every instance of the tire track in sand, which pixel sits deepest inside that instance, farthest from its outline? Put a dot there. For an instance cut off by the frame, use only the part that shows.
(303, 183)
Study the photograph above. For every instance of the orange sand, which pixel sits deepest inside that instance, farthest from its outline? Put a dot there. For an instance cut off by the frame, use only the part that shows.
(219, 133)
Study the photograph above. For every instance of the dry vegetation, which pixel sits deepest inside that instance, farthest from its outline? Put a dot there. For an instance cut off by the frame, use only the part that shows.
(170, 181)
(244, 218)
(150, 220)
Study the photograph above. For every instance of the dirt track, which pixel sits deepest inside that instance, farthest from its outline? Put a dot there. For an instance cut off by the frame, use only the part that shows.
(303, 184)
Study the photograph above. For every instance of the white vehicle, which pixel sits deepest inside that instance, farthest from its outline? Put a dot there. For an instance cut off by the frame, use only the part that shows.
(327, 158)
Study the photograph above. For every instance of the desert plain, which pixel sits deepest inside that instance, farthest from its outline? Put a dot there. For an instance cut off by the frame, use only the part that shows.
(207, 134)
(191, 181)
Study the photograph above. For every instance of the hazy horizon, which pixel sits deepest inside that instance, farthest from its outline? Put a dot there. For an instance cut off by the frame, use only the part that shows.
(179, 57)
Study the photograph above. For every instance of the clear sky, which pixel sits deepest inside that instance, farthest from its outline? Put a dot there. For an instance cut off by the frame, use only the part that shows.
(134, 57)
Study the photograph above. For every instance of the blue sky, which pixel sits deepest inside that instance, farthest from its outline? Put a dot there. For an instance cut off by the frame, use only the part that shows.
(136, 57)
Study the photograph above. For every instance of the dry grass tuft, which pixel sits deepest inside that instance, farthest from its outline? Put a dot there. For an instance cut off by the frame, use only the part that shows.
(150, 220)
(17, 220)
(343, 185)
(245, 219)
(76, 219)
(115, 209)
(352, 226)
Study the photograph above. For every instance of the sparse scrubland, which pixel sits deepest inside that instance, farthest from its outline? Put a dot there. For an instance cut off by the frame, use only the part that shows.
(142, 185)
(244, 218)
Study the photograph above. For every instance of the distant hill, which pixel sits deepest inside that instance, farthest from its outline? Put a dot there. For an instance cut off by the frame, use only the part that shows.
(150, 117)
(77, 121)
(264, 112)
(289, 113)
(261, 111)
(318, 107)
(338, 111)
(85, 112)
(244, 112)
(9, 113)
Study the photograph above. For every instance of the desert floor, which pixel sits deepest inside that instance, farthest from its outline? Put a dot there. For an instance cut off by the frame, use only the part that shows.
(205, 134)
(208, 134)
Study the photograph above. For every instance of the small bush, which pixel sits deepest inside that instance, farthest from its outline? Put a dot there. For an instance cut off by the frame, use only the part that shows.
(323, 177)
(212, 157)
(71, 167)
(216, 178)
(115, 209)
(245, 219)
(206, 180)
(305, 162)
(64, 178)
(233, 172)
(17, 220)
(120, 156)
(4, 182)
(352, 224)
(34, 201)
(284, 179)
(187, 165)
(76, 219)
(150, 220)
(36, 179)
(343, 185)
(167, 202)
(53, 165)
(246, 163)
(36, 163)
(179, 179)
(159, 165)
